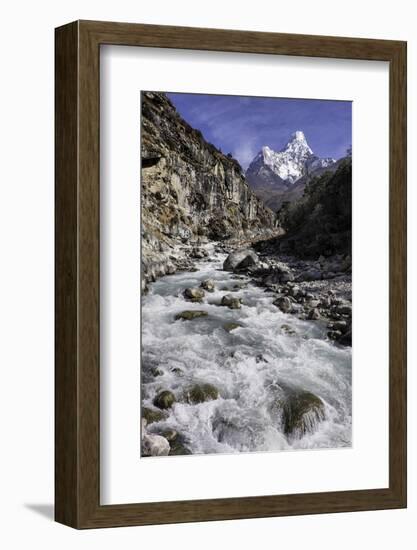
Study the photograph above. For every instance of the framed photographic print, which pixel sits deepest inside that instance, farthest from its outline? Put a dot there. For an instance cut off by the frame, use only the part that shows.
(230, 274)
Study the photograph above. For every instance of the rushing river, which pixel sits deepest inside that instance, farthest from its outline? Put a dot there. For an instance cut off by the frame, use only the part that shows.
(251, 366)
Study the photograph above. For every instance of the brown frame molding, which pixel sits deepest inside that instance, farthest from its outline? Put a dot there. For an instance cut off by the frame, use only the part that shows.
(77, 359)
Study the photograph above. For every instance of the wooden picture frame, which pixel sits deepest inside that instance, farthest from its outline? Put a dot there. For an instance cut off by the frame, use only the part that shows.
(77, 405)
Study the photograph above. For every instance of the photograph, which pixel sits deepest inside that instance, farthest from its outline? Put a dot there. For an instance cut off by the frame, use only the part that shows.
(246, 274)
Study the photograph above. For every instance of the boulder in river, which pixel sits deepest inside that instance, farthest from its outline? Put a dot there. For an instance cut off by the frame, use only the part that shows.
(194, 294)
(346, 338)
(198, 253)
(228, 327)
(283, 303)
(231, 302)
(190, 314)
(151, 415)
(302, 411)
(164, 400)
(154, 445)
(178, 445)
(278, 275)
(310, 275)
(341, 326)
(201, 392)
(344, 309)
(208, 284)
(314, 314)
(240, 259)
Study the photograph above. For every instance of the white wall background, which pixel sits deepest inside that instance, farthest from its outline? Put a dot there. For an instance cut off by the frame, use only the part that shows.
(26, 289)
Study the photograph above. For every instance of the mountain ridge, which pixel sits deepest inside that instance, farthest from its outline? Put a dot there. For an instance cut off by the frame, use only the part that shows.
(281, 176)
(283, 168)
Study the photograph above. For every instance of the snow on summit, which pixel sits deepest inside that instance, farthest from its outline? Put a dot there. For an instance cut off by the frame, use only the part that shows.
(290, 163)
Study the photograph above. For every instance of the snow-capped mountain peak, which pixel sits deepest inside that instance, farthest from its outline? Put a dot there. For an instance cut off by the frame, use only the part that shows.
(287, 165)
(298, 144)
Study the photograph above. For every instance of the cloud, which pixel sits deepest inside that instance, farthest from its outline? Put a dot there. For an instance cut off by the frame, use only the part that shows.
(245, 152)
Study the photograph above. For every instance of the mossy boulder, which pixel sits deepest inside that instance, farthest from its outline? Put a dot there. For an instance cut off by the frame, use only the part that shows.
(170, 434)
(201, 392)
(189, 315)
(231, 302)
(283, 303)
(302, 411)
(164, 400)
(178, 445)
(208, 284)
(194, 294)
(228, 327)
(151, 415)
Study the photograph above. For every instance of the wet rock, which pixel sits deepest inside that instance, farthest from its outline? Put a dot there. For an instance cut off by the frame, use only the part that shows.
(294, 291)
(198, 253)
(239, 286)
(228, 327)
(236, 432)
(177, 371)
(344, 309)
(346, 339)
(179, 446)
(151, 415)
(194, 294)
(189, 315)
(164, 400)
(297, 308)
(286, 329)
(283, 303)
(325, 302)
(302, 411)
(208, 284)
(278, 275)
(170, 434)
(340, 326)
(201, 392)
(154, 445)
(240, 259)
(231, 302)
(314, 314)
(157, 371)
(334, 334)
(310, 275)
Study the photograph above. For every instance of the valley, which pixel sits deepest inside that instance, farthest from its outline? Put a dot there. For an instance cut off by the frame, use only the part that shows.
(246, 309)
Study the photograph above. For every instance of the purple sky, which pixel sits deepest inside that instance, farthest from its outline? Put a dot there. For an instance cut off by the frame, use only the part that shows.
(242, 125)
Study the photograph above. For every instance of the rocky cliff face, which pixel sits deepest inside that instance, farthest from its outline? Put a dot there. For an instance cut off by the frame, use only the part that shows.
(191, 192)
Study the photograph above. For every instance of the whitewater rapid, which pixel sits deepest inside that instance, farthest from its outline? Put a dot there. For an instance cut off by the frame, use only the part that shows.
(249, 366)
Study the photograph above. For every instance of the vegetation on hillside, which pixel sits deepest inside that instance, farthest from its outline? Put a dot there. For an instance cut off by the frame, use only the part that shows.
(320, 221)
